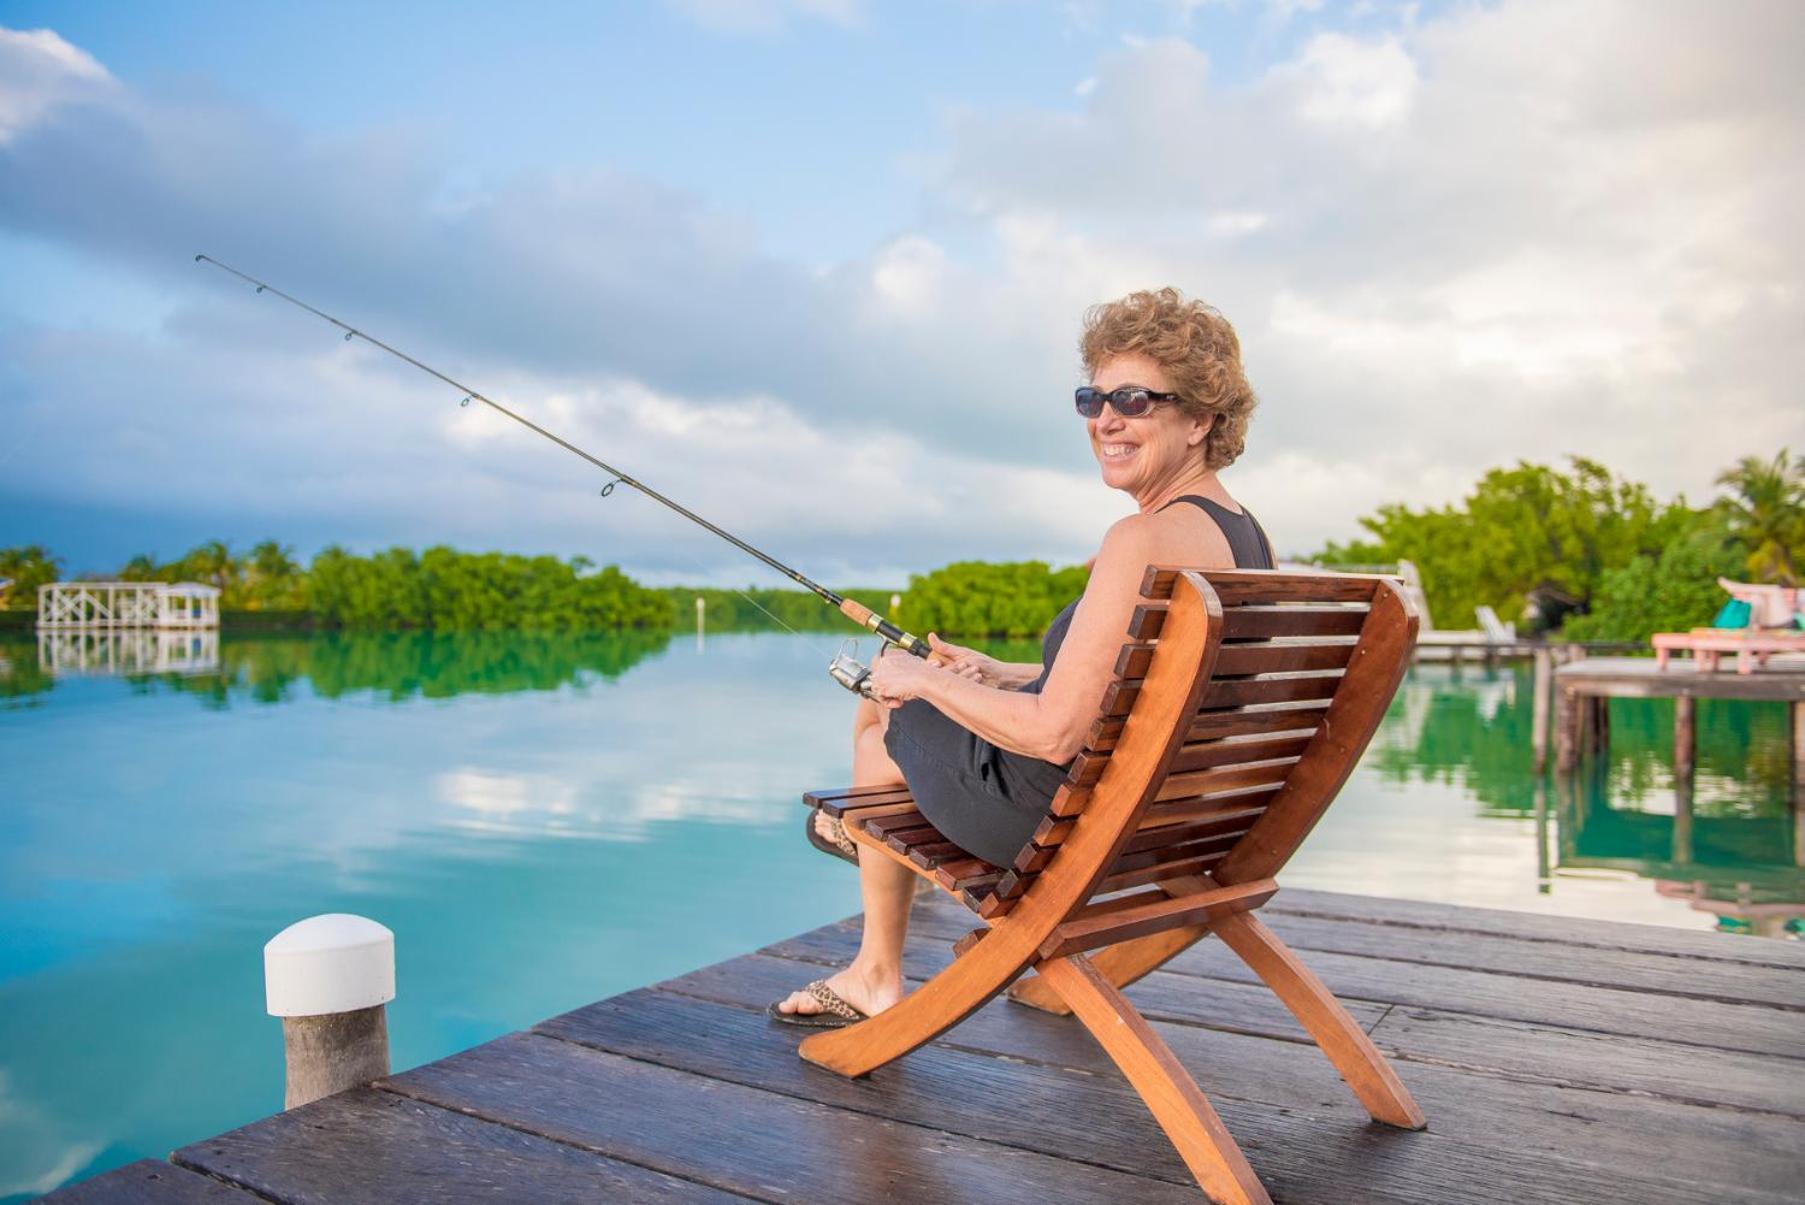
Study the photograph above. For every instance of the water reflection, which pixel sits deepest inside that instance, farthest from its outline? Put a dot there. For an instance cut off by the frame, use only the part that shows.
(269, 669)
(1730, 843)
(133, 651)
(1741, 866)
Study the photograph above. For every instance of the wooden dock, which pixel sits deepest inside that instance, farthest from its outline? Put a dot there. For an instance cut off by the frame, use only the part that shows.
(1558, 1060)
(1582, 689)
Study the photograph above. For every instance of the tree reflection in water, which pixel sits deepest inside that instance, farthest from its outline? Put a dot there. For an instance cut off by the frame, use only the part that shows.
(1730, 842)
(395, 665)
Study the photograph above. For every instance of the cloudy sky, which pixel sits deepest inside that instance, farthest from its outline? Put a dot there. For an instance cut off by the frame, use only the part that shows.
(816, 267)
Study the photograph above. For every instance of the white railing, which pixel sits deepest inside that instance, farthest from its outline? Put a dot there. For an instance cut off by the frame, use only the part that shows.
(86, 606)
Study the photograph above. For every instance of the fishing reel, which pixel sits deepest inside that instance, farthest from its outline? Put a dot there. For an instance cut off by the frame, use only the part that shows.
(850, 672)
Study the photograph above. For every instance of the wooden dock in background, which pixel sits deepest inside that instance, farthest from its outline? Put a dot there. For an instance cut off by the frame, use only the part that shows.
(1582, 689)
(1558, 1060)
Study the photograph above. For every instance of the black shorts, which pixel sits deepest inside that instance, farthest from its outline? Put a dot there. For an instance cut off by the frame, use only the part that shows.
(986, 800)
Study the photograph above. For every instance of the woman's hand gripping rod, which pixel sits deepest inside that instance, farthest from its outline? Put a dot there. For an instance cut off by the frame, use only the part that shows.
(844, 669)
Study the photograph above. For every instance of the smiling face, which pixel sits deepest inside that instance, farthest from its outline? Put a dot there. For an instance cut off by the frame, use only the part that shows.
(1143, 455)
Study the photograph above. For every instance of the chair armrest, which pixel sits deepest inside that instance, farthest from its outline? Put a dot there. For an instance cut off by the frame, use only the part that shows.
(838, 802)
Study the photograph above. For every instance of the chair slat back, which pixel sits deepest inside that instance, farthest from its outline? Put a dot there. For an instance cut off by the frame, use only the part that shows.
(1300, 669)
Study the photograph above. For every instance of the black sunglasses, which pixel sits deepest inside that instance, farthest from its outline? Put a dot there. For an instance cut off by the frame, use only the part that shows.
(1129, 403)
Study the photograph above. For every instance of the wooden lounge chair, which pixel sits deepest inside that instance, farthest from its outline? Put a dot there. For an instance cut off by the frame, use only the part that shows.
(1495, 629)
(1707, 645)
(1241, 702)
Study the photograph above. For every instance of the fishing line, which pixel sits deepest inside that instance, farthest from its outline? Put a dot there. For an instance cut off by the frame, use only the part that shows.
(773, 616)
(848, 672)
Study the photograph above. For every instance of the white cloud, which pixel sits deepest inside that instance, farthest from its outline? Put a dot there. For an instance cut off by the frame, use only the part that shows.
(907, 274)
(1518, 230)
(1233, 223)
(1521, 230)
(1350, 82)
(40, 71)
(302, 427)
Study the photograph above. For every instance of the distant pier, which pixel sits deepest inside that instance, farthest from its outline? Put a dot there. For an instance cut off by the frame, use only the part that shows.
(106, 606)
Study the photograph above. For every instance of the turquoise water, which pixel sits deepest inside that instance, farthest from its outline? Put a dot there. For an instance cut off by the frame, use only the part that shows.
(546, 821)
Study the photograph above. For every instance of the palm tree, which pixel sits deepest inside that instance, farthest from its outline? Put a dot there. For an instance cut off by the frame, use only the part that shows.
(271, 559)
(213, 563)
(1766, 511)
(141, 568)
(273, 570)
(24, 569)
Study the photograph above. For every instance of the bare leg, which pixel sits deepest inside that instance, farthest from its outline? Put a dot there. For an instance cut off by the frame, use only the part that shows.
(874, 980)
(869, 716)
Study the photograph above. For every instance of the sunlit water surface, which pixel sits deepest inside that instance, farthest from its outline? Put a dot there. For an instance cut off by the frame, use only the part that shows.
(546, 821)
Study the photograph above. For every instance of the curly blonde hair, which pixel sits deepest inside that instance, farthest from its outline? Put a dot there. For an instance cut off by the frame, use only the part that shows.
(1195, 346)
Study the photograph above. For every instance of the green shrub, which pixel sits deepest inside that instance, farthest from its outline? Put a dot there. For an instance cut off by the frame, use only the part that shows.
(1672, 592)
(977, 599)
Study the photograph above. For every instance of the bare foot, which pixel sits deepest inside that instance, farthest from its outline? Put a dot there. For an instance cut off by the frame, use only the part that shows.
(870, 994)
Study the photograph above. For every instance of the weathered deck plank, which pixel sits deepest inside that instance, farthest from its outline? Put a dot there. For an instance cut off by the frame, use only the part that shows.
(378, 1147)
(1408, 916)
(1682, 1072)
(1383, 982)
(1668, 975)
(1557, 1060)
(1512, 1048)
(1256, 1085)
(153, 1182)
(762, 1144)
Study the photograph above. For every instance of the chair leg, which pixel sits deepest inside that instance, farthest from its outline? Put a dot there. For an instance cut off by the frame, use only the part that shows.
(1127, 961)
(928, 1011)
(1120, 964)
(1338, 1035)
(1174, 1098)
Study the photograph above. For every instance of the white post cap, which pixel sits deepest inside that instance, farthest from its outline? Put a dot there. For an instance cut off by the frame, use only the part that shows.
(335, 963)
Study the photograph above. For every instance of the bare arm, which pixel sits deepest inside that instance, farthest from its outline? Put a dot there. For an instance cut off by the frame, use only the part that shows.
(1052, 724)
(982, 667)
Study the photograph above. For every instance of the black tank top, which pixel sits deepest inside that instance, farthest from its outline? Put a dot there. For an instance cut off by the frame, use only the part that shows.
(1246, 540)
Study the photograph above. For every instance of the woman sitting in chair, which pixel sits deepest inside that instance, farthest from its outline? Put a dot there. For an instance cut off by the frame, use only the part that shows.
(983, 744)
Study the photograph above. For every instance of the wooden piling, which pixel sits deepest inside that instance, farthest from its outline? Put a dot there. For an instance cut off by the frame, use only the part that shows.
(1544, 673)
(1798, 750)
(1544, 858)
(1566, 729)
(325, 1055)
(1798, 784)
(329, 978)
(1597, 730)
(1685, 737)
(1682, 821)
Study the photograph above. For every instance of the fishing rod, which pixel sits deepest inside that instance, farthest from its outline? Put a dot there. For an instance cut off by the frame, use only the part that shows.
(844, 669)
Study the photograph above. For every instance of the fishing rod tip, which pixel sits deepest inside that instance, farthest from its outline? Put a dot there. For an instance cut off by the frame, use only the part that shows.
(199, 258)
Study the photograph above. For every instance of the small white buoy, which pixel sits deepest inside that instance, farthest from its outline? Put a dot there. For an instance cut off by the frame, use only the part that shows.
(328, 978)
